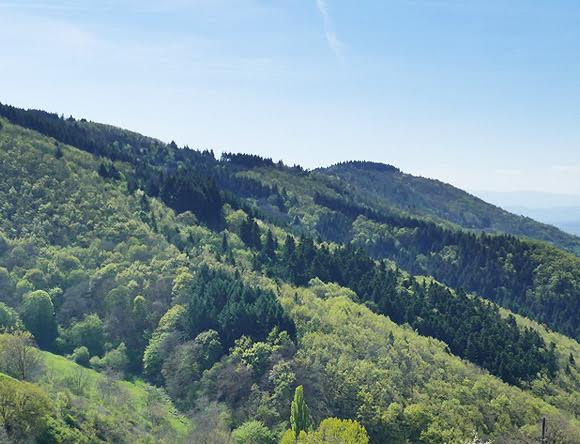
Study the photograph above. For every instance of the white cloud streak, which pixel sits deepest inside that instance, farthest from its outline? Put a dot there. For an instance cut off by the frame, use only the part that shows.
(332, 38)
(508, 172)
(572, 169)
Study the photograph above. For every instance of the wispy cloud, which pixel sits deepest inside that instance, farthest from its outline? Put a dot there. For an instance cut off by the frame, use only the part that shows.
(574, 169)
(57, 6)
(332, 38)
(508, 172)
(33, 36)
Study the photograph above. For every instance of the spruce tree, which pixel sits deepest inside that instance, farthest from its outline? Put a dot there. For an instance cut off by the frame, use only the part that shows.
(225, 245)
(270, 245)
(103, 171)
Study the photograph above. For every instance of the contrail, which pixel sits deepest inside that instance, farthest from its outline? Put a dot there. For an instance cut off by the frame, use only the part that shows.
(334, 42)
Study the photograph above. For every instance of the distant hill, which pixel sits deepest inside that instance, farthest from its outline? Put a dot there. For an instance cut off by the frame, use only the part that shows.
(560, 210)
(565, 218)
(387, 187)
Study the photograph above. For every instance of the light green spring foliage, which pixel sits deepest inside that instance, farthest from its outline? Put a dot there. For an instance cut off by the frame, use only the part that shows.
(163, 339)
(24, 408)
(39, 318)
(330, 431)
(253, 432)
(404, 194)
(135, 411)
(401, 385)
(563, 391)
(65, 401)
(19, 357)
(394, 382)
(8, 317)
(87, 332)
(85, 240)
(81, 356)
(333, 430)
(115, 360)
(299, 413)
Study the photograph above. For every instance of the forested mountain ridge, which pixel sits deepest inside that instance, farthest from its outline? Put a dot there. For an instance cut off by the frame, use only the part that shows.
(529, 277)
(231, 314)
(388, 187)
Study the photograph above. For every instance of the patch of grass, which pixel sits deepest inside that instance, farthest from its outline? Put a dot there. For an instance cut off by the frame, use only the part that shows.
(136, 402)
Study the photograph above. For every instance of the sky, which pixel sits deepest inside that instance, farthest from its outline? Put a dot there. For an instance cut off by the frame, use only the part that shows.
(483, 94)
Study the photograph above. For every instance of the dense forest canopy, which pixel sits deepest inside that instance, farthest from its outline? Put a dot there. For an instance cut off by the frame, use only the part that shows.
(242, 300)
(387, 187)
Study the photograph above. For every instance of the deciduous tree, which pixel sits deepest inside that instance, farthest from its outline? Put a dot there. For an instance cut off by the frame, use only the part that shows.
(299, 413)
(39, 317)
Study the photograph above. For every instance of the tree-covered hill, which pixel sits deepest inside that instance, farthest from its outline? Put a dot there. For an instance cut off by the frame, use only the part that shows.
(529, 277)
(392, 379)
(230, 283)
(387, 187)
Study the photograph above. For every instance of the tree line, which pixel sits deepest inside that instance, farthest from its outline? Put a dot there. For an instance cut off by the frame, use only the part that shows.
(473, 328)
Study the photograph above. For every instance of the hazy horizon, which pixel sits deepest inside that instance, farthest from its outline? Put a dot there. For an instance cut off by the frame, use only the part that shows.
(560, 210)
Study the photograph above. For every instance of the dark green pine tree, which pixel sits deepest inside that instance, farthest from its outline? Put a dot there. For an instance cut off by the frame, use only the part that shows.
(58, 152)
(250, 233)
(289, 247)
(103, 171)
(270, 245)
(225, 245)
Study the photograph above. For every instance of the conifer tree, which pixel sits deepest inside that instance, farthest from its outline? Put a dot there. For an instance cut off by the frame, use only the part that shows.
(270, 245)
(225, 245)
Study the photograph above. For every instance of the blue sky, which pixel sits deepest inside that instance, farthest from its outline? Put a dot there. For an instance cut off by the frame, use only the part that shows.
(484, 94)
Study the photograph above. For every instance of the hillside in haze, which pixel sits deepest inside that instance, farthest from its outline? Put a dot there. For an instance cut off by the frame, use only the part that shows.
(388, 187)
(560, 210)
(236, 299)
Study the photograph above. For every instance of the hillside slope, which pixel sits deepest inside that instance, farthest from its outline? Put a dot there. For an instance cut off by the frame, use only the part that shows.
(389, 376)
(539, 282)
(529, 277)
(387, 187)
(379, 186)
(535, 281)
(230, 313)
(84, 406)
